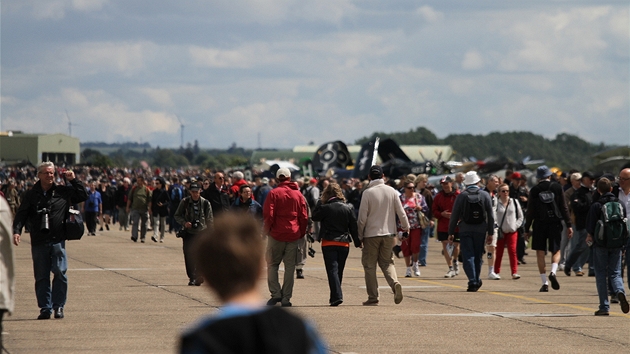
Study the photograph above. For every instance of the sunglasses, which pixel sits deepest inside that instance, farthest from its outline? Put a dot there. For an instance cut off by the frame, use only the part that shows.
(504, 191)
(409, 187)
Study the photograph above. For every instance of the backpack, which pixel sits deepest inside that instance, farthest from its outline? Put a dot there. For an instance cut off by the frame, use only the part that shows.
(176, 195)
(547, 207)
(309, 197)
(611, 230)
(474, 212)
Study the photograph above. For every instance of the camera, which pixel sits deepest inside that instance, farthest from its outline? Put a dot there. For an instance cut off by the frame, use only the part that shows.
(45, 222)
(195, 224)
(181, 233)
(311, 252)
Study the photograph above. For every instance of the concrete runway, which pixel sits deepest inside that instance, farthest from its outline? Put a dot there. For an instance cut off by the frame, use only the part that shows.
(127, 297)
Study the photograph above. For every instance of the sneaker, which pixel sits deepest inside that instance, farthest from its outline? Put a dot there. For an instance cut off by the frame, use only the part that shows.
(456, 268)
(449, 274)
(370, 303)
(415, 269)
(153, 239)
(554, 281)
(161, 240)
(408, 273)
(336, 302)
(544, 288)
(494, 276)
(625, 307)
(561, 266)
(601, 313)
(398, 295)
(516, 276)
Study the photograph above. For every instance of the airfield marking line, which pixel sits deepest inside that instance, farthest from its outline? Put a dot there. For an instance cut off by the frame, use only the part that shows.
(520, 297)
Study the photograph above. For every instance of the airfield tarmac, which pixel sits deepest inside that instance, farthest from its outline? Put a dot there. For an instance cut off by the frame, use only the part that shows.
(127, 297)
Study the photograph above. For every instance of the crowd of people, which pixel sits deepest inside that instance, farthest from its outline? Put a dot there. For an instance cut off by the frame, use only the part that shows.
(475, 219)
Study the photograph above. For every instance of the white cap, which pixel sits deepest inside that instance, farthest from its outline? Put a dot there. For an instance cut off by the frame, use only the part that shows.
(283, 172)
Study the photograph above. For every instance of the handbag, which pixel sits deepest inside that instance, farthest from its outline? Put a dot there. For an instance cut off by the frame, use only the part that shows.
(500, 229)
(74, 225)
(422, 218)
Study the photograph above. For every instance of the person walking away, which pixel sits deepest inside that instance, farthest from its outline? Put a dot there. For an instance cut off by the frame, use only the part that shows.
(139, 208)
(160, 201)
(377, 231)
(45, 208)
(509, 217)
(546, 208)
(7, 267)
(338, 229)
(230, 258)
(608, 235)
(473, 214)
(285, 222)
(194, 213)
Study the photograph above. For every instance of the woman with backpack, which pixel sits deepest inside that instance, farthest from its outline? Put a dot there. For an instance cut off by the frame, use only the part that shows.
(509, 219)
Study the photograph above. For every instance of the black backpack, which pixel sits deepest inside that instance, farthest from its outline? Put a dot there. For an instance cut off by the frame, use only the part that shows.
(474, 212)
(547, 206)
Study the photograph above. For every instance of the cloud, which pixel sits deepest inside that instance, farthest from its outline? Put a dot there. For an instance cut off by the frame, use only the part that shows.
(472, 60)
(429, 14)
(54, 9)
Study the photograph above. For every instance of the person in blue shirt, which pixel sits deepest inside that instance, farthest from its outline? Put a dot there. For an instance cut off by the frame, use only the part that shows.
(93, 208)
(230, 258)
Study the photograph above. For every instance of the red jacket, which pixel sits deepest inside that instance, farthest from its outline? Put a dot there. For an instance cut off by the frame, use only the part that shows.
(285, 215)
(443, 202)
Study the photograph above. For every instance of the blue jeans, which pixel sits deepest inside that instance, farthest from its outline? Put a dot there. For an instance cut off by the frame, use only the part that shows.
(607, 262)
(471, 248)
(579, 251)
(424, 246)
(335, 261)
(47, 258)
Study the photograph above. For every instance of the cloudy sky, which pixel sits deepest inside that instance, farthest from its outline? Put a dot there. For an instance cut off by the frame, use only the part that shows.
(296, 71)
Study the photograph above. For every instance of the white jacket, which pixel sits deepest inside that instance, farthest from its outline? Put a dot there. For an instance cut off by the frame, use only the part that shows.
(377, 214)
(7, 271)
(511, 222)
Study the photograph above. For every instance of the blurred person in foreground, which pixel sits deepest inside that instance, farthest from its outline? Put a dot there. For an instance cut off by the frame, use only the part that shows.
(230, 258)
(338, 229)
(7, 269)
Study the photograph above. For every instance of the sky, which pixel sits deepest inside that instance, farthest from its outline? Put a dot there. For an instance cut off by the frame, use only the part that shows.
(280, 73)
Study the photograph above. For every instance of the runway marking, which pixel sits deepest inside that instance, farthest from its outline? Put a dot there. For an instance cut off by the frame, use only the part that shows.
(406, 287)
(110, 269)
(500, 314)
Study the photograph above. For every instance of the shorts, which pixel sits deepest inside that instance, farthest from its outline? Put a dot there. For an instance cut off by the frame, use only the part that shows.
(547, 237)
(443, 236)
(411, 245)
(495, 237)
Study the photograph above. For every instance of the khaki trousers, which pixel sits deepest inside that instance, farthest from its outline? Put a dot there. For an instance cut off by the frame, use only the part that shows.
(285, 252)
(378, 250)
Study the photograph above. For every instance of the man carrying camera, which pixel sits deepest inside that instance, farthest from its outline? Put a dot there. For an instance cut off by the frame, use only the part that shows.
(45, 208)
(194, 213)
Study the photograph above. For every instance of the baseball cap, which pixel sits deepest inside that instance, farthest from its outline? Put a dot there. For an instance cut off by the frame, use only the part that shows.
(376, 172)
(283, 172)
(446, 179)
(194, 186)
(516, 175)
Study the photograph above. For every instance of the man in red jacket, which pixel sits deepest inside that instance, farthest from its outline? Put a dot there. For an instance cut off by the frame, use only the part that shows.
(441, 209)
(285, 221)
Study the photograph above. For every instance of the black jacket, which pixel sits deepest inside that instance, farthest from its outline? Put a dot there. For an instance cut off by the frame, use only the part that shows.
(160, 196)
(534, 203)
(56, 200)
(337, 218)
(581, 201)
(121, 196)
(219, 200)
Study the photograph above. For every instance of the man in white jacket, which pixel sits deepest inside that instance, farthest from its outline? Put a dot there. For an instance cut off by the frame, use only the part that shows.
(377, 230)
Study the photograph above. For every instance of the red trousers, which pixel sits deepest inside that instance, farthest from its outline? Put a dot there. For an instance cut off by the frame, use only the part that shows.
(509, 239)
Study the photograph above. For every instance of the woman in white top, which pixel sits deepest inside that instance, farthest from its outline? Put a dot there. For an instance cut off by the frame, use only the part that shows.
(509, 216)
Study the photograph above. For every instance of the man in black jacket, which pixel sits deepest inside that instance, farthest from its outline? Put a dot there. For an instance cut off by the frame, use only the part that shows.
(45, 208)
(217, 194)
(581, 201)
(546, 215)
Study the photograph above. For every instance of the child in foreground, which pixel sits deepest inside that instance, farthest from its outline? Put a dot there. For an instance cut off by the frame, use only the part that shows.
(230, 258)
